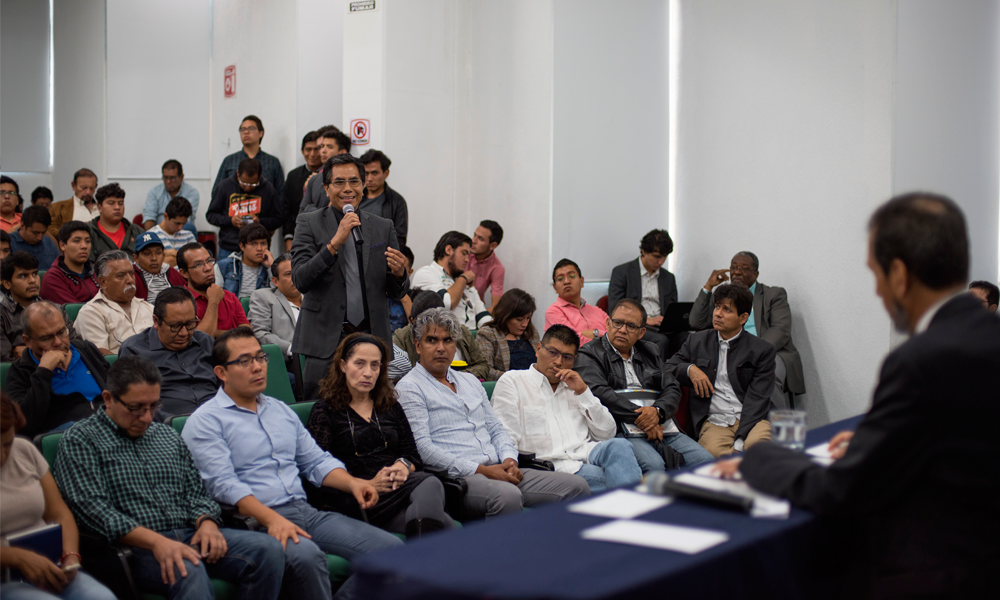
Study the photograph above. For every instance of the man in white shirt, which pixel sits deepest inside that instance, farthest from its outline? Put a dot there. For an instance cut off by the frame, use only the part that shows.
(115, 314)
(449, 276)
(732, 374)
(548, 410)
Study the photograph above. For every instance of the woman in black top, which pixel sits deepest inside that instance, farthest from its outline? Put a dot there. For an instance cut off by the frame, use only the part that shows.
(358, 420)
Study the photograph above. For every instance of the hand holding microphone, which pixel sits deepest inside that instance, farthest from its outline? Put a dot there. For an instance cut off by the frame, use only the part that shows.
(349, 225)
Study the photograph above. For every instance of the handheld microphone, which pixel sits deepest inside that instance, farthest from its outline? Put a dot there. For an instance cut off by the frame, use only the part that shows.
(356, 232)
(661, 484)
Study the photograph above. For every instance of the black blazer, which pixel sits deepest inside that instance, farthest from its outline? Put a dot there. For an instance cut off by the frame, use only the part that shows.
(750, 364)
(603, 371)
(626, 282)
(31, 387)
(319, 275)
(920, 478)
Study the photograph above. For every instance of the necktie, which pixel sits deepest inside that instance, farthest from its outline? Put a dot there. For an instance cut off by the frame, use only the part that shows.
(355, 302)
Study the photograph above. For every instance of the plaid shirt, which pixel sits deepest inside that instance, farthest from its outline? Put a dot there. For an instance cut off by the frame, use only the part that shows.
(269, 165)
(114, 483)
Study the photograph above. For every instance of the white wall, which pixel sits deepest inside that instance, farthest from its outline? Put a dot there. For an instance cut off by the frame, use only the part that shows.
(24, 94)
(947, 99)
(785, 148)
(320, 68)
(610, 130)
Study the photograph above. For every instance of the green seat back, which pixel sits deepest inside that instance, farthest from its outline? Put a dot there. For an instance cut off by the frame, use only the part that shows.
(41, 273)
(178, 422)
(48, 445)
(475, 332)
(278, 385)
(4, 367)
(488, 386)
(246, 306)
(111, 358)
(303, 409)
(72, 310)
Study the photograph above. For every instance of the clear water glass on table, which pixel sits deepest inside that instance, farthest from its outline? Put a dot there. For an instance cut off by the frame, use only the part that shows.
(788, 429)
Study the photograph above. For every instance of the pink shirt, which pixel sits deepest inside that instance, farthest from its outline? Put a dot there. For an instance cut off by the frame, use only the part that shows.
(578, 319)
(489, 274)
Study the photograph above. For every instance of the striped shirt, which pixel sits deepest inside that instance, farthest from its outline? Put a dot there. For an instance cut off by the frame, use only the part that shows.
(114, 483)
(455, 432)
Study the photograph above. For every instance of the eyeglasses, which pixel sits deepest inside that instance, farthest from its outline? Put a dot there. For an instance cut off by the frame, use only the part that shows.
(244, 361)
(248, 130)
(189, 325)
(201, 265)
(339, 183)
(563, 278)
(171, 178)
(630, 327)
(45, 339)
(138, 411)
(741, 268)
(8, 194)
(245, 184)
(554, 354)
(385, 443)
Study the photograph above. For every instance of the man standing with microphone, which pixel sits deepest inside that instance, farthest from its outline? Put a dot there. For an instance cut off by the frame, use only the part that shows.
(335, 249)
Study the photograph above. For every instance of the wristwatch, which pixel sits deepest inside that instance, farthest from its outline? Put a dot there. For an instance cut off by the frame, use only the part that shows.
(405, 462)
(661, 414)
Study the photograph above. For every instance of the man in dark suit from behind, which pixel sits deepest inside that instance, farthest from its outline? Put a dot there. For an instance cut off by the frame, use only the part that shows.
(917, 484)
(732, 374)
(647, 282)
(770, 320)
(325, 269)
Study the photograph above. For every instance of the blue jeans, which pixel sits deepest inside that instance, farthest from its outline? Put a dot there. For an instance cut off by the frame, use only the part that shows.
(253, 561)
(83, 587)
(612, 464)
(650, 459)
(306, 574)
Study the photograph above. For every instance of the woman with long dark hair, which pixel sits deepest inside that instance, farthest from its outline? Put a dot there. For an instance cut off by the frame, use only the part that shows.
(509, 340)
(359, 421)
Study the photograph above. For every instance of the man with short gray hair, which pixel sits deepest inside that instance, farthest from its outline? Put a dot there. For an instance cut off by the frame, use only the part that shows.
(770, 320)
(115, 314)
(459, 433)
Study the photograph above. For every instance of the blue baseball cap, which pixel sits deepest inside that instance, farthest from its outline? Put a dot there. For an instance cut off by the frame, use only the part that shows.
(146, 239)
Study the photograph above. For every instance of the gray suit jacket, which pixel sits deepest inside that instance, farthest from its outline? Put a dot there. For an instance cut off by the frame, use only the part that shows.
(319, 276)
(773, 319)
(626, 282)
(272, 318)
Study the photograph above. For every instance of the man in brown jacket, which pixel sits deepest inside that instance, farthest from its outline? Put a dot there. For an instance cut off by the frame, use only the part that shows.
(81, 207)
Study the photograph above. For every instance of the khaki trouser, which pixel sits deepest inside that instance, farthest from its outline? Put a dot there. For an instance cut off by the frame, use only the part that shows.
(719, 440)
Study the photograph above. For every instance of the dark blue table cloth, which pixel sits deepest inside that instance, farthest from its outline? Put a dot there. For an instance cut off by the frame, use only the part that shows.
(540, 554)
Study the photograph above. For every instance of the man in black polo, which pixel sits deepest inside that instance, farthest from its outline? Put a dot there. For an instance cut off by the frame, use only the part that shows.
(181, 353)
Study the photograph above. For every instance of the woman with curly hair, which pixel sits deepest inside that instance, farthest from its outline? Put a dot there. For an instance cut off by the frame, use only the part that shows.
(359, 421)
(509, 340)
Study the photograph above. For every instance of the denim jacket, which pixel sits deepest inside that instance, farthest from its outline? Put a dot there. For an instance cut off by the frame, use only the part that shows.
(231, 269)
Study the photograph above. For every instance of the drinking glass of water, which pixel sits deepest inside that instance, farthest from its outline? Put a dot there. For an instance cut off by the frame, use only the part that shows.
(788, 429)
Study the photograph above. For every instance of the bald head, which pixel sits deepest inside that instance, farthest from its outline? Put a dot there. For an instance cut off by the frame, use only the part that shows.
(37, 313)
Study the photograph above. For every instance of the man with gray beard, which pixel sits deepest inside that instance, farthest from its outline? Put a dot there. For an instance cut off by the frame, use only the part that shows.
(115, 314)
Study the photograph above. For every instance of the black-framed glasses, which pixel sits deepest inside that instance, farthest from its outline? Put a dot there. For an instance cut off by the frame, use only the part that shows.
(630, 327)
(138, 411)
(563, 278)
(45, 339)
(249, 185)
(244, 361)
(556, 354)
(339, 183)
(385, 443)
(8, 194)
(201, 265)
(189, 325)
(250, 129)
(169, 178)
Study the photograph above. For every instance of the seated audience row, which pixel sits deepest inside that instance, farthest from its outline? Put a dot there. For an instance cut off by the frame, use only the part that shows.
(20, 281)
(467, 349)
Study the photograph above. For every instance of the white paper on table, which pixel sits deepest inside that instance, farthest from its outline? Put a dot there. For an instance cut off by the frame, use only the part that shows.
(706, 471)
(688, 540)
(764, 505)
(620, 504)
(820, 454)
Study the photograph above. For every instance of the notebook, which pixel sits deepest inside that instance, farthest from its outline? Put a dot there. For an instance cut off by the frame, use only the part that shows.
(45, 540)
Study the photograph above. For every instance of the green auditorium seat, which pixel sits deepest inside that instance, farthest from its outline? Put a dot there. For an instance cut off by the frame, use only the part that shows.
(488, 386)
(278, 385)
(72, 310)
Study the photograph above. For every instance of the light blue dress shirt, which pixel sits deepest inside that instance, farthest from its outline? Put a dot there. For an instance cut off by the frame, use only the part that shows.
(158, 198)
(243, 453)
(750, 326)
(455, 432)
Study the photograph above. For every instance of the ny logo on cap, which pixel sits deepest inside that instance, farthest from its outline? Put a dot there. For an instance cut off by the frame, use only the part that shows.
(146, 238)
